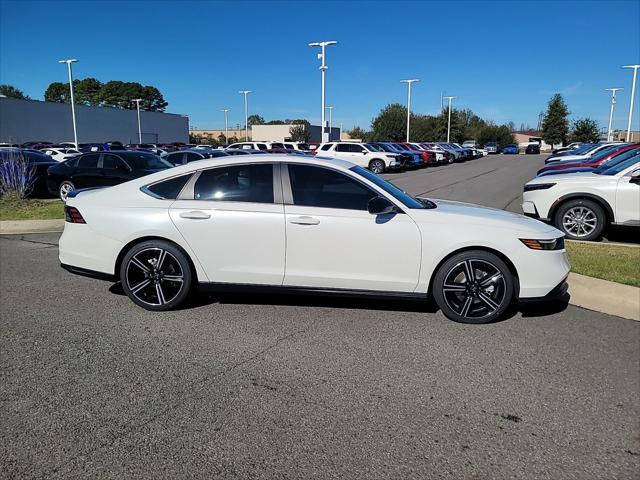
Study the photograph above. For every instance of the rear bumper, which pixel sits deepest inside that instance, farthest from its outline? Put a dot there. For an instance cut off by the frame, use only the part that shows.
(84, 272)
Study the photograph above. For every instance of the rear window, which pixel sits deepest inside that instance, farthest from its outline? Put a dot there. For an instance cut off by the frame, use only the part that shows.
(169, 189)
(146, 161)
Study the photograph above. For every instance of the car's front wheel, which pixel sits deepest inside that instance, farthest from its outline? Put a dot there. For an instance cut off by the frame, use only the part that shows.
(156, 275)
(473, 287)
(581, 219)
(376, 166)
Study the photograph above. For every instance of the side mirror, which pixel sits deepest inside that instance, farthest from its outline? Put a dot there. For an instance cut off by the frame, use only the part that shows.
(635, 177)
(381, 206)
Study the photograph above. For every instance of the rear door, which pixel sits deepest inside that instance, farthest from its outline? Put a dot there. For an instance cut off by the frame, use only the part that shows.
(87, 173)
(114, 171)
(233, 218)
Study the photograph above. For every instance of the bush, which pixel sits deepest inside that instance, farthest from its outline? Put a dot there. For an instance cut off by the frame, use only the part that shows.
(16, 177)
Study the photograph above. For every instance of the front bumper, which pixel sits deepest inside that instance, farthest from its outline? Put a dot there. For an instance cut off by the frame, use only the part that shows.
(559, 292)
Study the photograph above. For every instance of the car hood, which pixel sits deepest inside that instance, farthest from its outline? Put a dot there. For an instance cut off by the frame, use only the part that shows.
(568, 158)
(471, 214)
(565, 171)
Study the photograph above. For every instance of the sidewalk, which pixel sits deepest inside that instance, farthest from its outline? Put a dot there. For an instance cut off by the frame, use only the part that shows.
(17, 227)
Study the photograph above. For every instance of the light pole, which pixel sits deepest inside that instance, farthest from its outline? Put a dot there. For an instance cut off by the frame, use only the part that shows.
(449, 121)
(73, 107)
(137, 102)
(409, 82)
(226, 125)
(633, 94)
(613, 105)
(330, 108)
(246, 113)
(323, 68)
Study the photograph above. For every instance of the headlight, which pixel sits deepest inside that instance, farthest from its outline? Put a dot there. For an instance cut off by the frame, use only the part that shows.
(391, 156)
(537, 186)
(552, 244)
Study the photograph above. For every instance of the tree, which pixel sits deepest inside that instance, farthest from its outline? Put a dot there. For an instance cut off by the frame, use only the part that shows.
(492, 133)
(391, 123)
(585, 130)
(255, 120)
(12, 92)
(300, 132)
(57, 92)
(222, 140)
(87, 91)
(555, 125)
(357, 133)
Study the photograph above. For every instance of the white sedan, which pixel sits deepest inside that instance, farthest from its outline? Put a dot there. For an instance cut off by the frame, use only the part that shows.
(61, 154)
(280, 223)
(582, 204)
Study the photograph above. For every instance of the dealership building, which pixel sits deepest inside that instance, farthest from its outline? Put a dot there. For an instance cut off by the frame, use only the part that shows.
(33, 120)
(282, 133)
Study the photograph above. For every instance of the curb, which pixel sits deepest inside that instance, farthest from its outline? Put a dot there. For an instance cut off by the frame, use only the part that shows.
(17, 227)
(604, 296)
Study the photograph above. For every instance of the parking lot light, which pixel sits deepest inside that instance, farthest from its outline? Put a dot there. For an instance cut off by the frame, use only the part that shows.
(330, 108)
(137, 102)
(449, 121)
(73, 107)
(323, 69)
(633, 93)
(226, 124)
(246, 113)
(613, 105)
(409, 82)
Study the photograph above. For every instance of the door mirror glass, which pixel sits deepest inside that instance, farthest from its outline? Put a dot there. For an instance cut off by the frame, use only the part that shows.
(635, 177)
(381, 206)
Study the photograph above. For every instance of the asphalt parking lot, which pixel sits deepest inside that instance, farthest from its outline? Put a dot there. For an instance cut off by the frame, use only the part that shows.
(300, 387)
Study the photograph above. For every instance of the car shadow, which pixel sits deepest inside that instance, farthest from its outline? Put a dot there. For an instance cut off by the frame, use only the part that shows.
(205, 298)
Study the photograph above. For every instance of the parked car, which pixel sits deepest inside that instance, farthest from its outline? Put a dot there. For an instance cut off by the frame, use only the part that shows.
(491, 147)
(409, 159)
(427, 157)
(468, 153)
(458, 155)
(191, 155)
(93, 147)
(595, 169)
(252, 145)
(581, 153)
(511, 149)
(243, 151)
(302, 146)
(595, 160)
(571, 146)
(581, 205)
(36, 145)
(361, 154)
(38, 164)
(442, 156)
(533, 149)
(463, 256)
(101, 169)
(469, 144)
(141, 146)
(60, 154)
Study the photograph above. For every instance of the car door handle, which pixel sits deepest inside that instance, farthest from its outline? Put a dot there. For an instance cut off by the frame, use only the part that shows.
(195, 215)
(305, 220)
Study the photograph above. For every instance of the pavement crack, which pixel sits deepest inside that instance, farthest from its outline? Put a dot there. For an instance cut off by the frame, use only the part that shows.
(22, 239)
(128, 430)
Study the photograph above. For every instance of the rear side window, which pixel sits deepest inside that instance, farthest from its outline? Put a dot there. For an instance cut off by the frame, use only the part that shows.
(88, 161)
(262, 146)
(175, 158)
(327, 146)
(322, 187)
(238, 183)
(169, 189)
(192, 157)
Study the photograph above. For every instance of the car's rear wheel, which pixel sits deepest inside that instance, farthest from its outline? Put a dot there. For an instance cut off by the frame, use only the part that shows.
(64, 189)
(376, 166)
(156, 275)
(473, 287)
(581, 219)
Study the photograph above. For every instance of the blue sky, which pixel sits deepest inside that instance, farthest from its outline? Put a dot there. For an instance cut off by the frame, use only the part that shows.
(501, 59)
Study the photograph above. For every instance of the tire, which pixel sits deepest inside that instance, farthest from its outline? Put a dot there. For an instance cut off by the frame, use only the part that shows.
(483, 300)
(580, 219)
(376, 166)
(152, 287)
(64, 189)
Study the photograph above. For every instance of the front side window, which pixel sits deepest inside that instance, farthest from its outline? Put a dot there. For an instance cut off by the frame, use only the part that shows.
(328, 146)
(313, 186)
(147, 161)
(175, 158)
(343, 147)
(238, 183)
(88, 161)
(356, 148)
(262, 146)
(192, 157)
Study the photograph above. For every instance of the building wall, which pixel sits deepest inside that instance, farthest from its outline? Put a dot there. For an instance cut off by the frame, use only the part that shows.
(216, 133)
(32, 120)
(621, 135)
(280, 133)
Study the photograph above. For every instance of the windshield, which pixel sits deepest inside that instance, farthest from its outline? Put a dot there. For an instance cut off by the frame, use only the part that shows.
(384, 148)
(391, 189)
(371, 148)
(615, 169)
(584, 148)
(147, 161)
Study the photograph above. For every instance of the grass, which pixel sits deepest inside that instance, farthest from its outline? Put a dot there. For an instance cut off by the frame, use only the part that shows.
(608, 262)
(31, 209)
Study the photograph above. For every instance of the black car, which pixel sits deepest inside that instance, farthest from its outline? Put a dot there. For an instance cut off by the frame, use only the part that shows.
(101, 169)
(37, 161)
(533, 149)
(193, 154)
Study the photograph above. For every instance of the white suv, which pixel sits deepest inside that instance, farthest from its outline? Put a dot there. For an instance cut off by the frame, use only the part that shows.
(361, 154)
(583, 204)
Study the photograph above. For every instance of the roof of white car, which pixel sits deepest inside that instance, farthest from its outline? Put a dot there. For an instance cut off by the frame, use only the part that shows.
(262, 158)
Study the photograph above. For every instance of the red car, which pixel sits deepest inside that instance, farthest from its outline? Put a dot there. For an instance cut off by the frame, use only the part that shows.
(594, 161)
(427, 157)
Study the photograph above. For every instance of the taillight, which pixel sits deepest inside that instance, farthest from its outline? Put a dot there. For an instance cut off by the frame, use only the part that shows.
(72, 215)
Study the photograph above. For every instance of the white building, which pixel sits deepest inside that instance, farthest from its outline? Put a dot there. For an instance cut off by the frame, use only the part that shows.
(282, 133)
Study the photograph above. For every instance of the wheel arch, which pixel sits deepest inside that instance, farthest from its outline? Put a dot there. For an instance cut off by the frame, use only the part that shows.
(139, 240)
(500, 255)
(582, 196)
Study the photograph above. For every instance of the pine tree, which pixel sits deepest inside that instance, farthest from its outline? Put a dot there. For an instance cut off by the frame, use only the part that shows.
(555, 126)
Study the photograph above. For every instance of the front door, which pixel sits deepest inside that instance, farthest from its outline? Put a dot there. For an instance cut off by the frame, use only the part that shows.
(235, 224)
(628, 199)
(334, 242)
